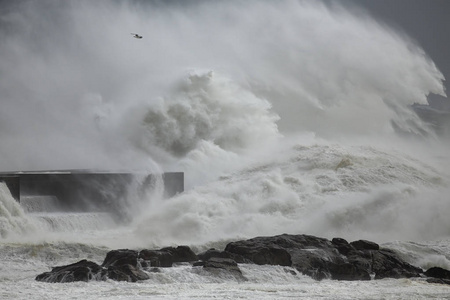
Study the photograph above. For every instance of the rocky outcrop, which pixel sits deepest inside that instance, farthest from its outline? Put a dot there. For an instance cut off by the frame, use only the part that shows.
(218, 266)
(438, 275)
(83, 270)
(206, 255)
(317, 257)
(321, 258)
(166, 257)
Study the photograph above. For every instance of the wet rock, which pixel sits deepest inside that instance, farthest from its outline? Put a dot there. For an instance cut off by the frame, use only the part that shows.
(222, 254)
(217, 264)
(83, 270)
(320, 258)
(438, 281)
(181, 254)
(166, 257)
(342, 246)
(126, 272)
(317, 257)
(437, 272)
(262, 251)
(348, 271)
(386, 264)
(120, 257)
(157, 258)
(365, 245)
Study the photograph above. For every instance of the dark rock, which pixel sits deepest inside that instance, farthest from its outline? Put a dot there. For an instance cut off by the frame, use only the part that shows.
(290, 271)
(121, 257)
(126, 272)
(342, 246)
(308, 254)
(437, 272)
(80, 271)
(365, 245)
(157, 258)
(222, 254)
(320, 258)
(348, 271)
(222, 263)
(339, 241)
(166, 257)
(438, 281)
(217, 264)
(386, 264)
(262, 251)
(313, 256)
(199, 263)
(181, 254)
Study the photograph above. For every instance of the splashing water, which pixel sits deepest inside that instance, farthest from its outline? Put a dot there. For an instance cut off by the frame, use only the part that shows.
(284, 116)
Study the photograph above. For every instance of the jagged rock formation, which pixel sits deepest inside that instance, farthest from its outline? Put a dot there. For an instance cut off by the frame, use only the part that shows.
(317, 257)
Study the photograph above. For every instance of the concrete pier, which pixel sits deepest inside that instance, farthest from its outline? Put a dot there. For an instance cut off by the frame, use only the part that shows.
(89, 190)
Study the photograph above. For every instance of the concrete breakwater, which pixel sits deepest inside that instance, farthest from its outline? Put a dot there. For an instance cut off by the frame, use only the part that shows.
(85, 190)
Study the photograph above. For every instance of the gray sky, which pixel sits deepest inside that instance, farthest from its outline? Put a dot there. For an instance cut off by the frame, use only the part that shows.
(426, 21)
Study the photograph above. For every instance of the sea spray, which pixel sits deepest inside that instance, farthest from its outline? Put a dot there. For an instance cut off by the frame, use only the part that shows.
(312, 191)
(91, 92)
(13, 220)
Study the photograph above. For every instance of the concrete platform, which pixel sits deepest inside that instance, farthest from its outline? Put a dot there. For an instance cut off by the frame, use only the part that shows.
(89, 190)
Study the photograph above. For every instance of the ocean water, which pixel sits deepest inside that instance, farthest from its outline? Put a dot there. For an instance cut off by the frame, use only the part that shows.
(286, 117)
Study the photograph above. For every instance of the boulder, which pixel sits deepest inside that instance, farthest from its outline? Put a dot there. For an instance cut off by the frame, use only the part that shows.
(308, 254)
(387, 264)
(437, 272)
(438, 281)
(342, 246)
(217, 265)
(181, 254)
(120, 257)
(166, 257)
(126, 273)
(365, 245)
(204, 256)
(157, 258)
(261, 251)
(317, 257)
(83, 270)
(320, 258)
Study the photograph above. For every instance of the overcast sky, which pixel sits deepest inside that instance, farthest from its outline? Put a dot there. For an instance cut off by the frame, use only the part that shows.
(426, 21)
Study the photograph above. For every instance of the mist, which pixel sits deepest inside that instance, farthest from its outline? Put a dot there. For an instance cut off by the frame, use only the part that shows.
(208, 85)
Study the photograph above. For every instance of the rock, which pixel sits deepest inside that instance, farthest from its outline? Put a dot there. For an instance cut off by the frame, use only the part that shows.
(157, 258)
(438, 281)
(166, 257)
(80, 271)
(126, 272)
(222, 263)
(348, 271)
(342, 246)
(120, 257)
(222, 254)
(216, 264)
(386, 264)
(365, 245)
(437, 272)
(308, 254)
(320, 258)
(181, 254)
(261, 251)
(317, 257)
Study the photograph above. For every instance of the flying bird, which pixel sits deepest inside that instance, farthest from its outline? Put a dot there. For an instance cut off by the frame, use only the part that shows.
(137, 35)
